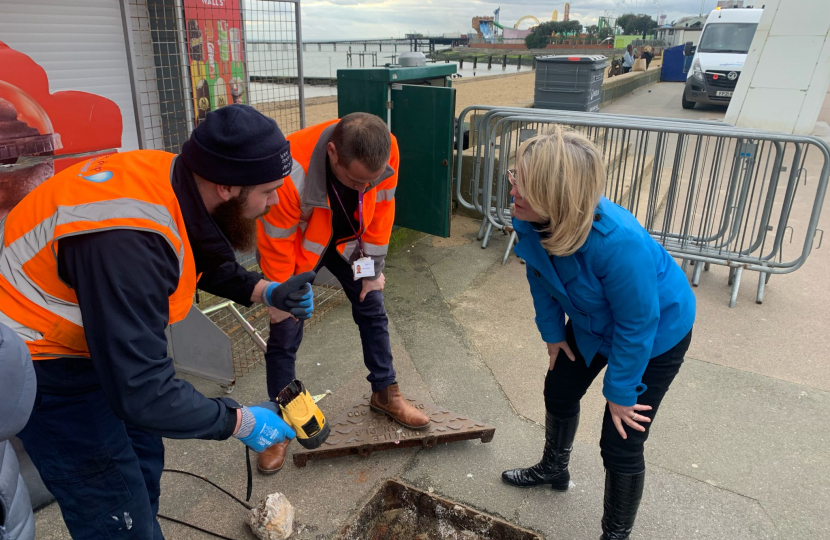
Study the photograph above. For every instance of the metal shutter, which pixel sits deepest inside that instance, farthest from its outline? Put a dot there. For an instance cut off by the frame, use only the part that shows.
(80, 44)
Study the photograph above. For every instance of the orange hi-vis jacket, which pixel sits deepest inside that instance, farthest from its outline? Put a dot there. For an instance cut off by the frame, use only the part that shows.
(129, 190)
(292, 237)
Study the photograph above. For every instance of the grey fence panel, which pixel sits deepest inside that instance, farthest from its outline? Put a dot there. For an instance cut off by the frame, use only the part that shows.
(709, 192)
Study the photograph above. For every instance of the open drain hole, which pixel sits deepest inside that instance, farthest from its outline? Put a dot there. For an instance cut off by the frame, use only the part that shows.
(400, 512)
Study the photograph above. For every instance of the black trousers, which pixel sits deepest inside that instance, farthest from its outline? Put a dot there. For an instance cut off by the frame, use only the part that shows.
(568, 381)
(369, 315)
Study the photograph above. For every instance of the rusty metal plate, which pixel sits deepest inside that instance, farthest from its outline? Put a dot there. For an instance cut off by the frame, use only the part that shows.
(360, 430)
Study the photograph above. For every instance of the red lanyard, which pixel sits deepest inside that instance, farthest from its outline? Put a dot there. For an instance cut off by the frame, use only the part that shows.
(348, 218)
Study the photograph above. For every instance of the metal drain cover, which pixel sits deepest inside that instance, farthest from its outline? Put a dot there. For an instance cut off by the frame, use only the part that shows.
(360, 430)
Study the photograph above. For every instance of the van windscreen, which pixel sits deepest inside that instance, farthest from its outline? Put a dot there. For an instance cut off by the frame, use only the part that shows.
(727, 37)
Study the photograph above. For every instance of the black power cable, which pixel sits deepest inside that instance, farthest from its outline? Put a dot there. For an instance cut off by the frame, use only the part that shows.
(192, 526)
(220, 488)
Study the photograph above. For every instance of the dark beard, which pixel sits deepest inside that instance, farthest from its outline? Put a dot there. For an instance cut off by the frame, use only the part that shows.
(239, 230)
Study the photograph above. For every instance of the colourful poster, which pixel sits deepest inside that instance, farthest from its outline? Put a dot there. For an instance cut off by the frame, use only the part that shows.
(42, 133)
(217, 72)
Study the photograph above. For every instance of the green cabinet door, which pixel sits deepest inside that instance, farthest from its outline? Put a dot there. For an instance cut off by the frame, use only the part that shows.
(422, 118)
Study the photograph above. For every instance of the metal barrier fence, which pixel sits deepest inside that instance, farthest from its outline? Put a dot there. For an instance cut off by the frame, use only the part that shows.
(710, 193)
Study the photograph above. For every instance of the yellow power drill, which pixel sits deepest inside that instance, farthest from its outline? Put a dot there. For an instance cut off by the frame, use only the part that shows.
(303, 415)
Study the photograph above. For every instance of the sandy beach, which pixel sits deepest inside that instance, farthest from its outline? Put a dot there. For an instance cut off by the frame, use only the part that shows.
(506, 90)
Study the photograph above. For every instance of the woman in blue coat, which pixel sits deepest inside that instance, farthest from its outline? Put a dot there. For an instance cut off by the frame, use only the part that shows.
(629, 307)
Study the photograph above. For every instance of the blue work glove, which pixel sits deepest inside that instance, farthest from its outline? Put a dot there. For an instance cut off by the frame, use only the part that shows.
(301, 303)
(294, 296)
(268, 428)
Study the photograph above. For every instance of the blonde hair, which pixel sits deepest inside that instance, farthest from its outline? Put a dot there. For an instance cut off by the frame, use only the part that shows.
(562, 176)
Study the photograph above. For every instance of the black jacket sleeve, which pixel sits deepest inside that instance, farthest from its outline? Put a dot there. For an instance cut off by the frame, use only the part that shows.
(230, 280)
(123, 279)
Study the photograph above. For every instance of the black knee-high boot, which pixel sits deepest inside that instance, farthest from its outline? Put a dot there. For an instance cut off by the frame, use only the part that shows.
(553, 469)
(622, 499)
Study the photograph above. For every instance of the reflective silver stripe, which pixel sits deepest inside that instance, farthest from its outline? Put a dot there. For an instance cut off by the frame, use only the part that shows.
(313, 247)
(385, 194)
(349, 250)
(303, 226)
(26, 334)
(298, 177)
(374, 250)
(276, 232)
(19, 252)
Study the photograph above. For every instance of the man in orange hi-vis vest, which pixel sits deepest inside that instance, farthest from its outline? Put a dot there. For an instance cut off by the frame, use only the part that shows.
(94, 264)
(336, 211)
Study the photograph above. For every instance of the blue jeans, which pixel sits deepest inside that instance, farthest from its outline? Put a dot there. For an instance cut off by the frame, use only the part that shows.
(371, 320)
(104, 473)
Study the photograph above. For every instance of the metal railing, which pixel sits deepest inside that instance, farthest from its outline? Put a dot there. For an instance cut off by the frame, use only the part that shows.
(710, 193)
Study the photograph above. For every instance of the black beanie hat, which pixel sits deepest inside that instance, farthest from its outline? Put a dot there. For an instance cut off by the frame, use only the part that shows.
(238, 146)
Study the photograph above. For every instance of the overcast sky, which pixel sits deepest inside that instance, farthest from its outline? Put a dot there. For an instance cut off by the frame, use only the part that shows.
(357, 19)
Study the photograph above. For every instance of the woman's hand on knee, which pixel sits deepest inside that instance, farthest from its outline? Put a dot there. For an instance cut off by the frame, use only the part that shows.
(553, 352)
(629, 415)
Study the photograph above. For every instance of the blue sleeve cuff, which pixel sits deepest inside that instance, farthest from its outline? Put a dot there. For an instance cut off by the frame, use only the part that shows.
(622, 395)
(552, 332)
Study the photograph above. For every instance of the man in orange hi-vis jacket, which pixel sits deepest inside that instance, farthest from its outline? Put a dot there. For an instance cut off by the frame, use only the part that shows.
(95, 263)
(336, 210)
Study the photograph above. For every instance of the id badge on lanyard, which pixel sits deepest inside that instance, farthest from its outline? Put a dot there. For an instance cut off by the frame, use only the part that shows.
(364, 266)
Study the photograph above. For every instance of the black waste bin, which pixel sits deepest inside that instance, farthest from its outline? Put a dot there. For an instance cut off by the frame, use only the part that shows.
(571, 83)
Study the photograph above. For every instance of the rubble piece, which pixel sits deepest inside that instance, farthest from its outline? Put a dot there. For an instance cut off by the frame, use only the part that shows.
(273, 518)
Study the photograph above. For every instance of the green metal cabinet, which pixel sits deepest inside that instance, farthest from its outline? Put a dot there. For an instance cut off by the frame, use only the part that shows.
(418, 105)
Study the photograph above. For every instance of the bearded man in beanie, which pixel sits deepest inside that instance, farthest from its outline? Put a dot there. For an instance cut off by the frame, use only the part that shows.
(94, 264)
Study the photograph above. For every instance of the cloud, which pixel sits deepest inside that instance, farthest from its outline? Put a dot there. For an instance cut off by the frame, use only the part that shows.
(356, 19)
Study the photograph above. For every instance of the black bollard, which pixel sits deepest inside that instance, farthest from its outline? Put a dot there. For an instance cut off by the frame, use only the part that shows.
(460, 62)
(475, 61)
(490, 61)
(520, 62)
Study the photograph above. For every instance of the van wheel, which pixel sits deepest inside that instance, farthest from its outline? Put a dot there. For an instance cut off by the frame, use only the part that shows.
(686, 103)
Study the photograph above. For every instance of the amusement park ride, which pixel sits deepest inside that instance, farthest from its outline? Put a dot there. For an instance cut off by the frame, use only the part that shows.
(488, 27)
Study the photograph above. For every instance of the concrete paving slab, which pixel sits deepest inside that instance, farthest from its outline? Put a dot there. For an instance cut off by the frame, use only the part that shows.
(674, 506)
(498, 316)
(457, 261)
(761, 437)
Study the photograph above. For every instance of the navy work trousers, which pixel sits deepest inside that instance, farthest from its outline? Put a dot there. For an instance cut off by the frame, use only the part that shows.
(104, 473)
(568, 381)
(370, 316)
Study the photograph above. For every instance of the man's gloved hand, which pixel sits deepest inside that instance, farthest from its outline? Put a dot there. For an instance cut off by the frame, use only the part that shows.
(301, 303)
(294, 296)
(267, 429)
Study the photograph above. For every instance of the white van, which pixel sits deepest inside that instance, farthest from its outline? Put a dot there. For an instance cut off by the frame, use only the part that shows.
(720, 56)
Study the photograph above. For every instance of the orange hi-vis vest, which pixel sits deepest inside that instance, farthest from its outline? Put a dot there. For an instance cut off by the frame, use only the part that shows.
(292, 237)
(130, 190)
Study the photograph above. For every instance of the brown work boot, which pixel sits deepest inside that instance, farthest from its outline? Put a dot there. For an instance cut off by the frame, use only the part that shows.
(271, 460)
(390, 402)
